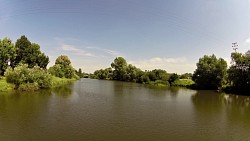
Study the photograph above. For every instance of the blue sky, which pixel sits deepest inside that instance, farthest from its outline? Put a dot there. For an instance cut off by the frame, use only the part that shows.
(165, 34)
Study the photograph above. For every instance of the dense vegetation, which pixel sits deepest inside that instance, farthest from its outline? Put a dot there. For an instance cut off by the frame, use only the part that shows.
(122, 71)
(212, 73)
(63, 68)
(24, 65)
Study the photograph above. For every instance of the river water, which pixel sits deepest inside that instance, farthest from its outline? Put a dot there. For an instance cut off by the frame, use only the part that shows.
(99, 110)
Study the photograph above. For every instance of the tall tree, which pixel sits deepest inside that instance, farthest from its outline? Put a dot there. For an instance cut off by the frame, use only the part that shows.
(7, 54)
(29, 53)
(22, 45)
(119, 65)
(210, 73)
(63, 67)
(239, 72)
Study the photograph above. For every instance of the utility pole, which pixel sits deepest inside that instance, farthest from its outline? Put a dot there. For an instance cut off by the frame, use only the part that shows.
(235, 46)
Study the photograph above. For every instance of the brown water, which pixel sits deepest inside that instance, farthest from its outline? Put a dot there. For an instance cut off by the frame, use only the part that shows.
(96, 110)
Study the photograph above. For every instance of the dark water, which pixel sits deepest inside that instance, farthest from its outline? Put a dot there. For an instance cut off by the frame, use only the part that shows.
(98, 110)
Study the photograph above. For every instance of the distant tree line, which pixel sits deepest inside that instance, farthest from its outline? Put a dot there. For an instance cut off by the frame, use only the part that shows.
(122, 71)
(212, 73)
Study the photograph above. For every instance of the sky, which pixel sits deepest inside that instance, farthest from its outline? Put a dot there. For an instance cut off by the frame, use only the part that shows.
(150, 34)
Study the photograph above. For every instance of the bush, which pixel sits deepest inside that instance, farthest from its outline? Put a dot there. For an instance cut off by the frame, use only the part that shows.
(183, 83)
(28, 78)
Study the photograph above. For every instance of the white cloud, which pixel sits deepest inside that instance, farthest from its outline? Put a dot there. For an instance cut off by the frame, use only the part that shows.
(172, 65)
(108, 51)
(76, 51)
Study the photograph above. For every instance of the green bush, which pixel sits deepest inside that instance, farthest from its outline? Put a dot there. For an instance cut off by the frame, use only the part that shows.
(28, 78)
(183, 82)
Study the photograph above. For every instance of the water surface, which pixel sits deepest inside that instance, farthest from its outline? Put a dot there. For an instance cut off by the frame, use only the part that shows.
(99, 110)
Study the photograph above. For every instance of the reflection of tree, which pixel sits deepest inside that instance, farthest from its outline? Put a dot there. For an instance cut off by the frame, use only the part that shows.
(64, 91)
(23, 108)
(238, 108)
(228, 111)
(207, 102)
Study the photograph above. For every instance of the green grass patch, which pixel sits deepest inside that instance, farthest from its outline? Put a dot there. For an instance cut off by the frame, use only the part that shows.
(4, 86)
(183, 83)
(57, 82)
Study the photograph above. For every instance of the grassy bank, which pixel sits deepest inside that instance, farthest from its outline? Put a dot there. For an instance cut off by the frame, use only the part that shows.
(57, 82)
(183, 83)
(4, 86)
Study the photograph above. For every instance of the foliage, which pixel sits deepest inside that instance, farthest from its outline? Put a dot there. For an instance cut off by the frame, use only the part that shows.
(173, 78)
(183, 83)
(210, 73)
(58, 82)
(29, 53)
(4, 86)
(126, 72)
(158, 74)
(104, 74)
(119, 65)
(239, 72)
(186, 76)
(63, 68)
(7, 54)
(23, 77)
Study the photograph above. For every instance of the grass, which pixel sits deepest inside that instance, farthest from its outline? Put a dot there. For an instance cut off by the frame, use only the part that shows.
(4, 86)
(57, 82)
(183, 83)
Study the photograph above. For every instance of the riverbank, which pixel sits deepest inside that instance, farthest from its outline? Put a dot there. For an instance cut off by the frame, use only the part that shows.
(55, 82)
(4, 86)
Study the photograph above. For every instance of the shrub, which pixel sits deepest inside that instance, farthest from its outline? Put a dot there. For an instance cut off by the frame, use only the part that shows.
(183, 83)
(28, 78)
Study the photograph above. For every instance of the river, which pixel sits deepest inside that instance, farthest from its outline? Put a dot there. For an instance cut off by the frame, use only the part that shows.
(99, 110)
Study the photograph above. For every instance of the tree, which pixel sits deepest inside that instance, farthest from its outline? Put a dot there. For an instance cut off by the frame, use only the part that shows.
(210, 73)
(29, 53)
(7, 54)
(158, 74)
(239, 72)
(63, 68)
(22, 45)
(172, 78)
(63, 60)
(119, 65)
(186, 76)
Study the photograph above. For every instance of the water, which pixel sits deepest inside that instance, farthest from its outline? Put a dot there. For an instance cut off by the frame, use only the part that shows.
(98, 110)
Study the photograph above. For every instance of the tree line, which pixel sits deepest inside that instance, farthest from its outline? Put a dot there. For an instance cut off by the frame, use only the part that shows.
(24, 65)
(122, 71)
(212, 73)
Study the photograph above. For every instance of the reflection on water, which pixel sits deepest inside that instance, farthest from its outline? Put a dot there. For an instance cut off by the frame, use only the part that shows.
(222, 114)
(112, 110)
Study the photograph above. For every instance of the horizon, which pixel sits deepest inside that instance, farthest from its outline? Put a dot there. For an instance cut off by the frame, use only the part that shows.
(169, 35)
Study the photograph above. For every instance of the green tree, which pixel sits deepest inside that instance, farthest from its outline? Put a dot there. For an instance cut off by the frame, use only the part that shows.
(158, 74)
(29, 53)
(210, 73)
(119, 65)
(7, 54)
(186, 76)
(63, 68)
(173, 78)
(239, 72)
